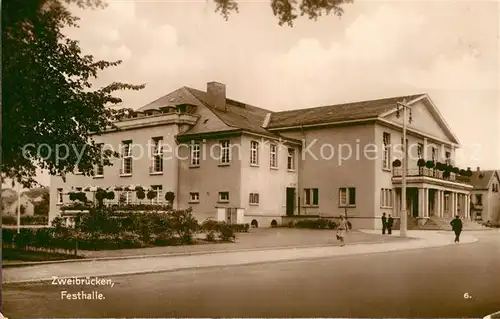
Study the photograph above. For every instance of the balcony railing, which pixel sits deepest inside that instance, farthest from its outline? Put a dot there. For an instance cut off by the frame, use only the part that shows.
(432, 173)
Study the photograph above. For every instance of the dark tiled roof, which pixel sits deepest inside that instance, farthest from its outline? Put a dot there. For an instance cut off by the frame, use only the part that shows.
(177, 97)
(336, 113)
(481, 179)
(238, 115)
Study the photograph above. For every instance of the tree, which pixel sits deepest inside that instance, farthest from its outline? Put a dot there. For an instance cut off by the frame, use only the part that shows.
(48, 96)
(288, 10)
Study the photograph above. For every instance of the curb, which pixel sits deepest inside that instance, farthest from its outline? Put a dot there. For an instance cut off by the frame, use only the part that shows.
(208, 252)
(293, 260)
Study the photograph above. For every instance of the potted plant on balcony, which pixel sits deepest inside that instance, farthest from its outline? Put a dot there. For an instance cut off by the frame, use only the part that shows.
(429, 164)
(140, 194)
(100, 195)
(396, 163)
(446, 174)
(462, 172)
(151, 195)
(440, 166)
(421, 162)
(169, 197)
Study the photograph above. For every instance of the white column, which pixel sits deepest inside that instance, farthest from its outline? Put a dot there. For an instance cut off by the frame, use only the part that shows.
(455, 203)
(467, 206)
(426, 202)
(451, 210)
(421, 210)
(437, 203)
(442, 203)
(394, 202)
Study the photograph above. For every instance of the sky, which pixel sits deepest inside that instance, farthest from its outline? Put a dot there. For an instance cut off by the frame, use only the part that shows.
(448, 49)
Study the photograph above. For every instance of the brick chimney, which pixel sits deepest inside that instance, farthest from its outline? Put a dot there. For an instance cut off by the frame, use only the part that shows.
(216, 93)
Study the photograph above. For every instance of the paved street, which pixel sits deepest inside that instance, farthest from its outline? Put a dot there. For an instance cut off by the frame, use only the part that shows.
(417, 283)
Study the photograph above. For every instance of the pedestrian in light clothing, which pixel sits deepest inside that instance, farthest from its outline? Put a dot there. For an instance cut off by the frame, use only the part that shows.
(390, 223)
(384, 223)
(456, 225)
(342, 230)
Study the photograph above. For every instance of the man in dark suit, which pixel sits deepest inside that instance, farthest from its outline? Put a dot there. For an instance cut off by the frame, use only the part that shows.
(390, 223)
(384, 223)
(457, 225)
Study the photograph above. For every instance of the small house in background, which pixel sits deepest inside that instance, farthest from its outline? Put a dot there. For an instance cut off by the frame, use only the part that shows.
(485, 203)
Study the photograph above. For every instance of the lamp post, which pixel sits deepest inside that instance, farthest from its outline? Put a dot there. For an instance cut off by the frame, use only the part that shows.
(404, 218)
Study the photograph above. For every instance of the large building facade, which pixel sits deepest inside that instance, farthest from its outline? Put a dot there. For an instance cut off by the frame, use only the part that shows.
(236, 162)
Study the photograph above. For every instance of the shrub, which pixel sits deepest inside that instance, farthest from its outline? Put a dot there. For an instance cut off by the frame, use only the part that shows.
(183, 224)
(151, 194)
(9, 220)
(221, 230)
(316, 224)
(421, 162)
(429, 164)
(226, 233)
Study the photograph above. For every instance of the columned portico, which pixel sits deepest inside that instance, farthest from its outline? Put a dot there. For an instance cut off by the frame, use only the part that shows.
(440, 199)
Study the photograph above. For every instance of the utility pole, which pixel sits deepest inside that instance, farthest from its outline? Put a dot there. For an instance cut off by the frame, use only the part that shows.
(404, 217)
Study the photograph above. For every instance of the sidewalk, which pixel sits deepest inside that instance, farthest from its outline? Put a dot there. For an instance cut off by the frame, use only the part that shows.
(257, 239)
(107, 268)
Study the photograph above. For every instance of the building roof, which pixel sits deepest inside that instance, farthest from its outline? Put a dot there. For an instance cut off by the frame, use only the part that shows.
(238, 114)
(481, 179)
(177, 97)
(242, 116)
(336, 113)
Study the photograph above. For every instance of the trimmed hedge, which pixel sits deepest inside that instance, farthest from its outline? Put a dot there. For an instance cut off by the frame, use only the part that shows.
(100, 229)
(319, 223)
(26, 220)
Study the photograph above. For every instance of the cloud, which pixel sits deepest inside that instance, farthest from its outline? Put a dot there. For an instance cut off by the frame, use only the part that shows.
(375, 50)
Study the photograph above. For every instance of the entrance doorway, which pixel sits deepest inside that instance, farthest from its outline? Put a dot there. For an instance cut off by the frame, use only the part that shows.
(290, 201)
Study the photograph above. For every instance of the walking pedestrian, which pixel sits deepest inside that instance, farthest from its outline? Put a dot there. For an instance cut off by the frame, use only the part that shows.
(456, 226)
(384, 223)
(342, 230)
(390, 223)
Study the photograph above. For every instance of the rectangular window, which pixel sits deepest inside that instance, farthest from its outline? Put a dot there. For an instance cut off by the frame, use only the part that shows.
(225, 152)
(223, 197)
(386, 197)
(311, 196)
(479, 199)
(448, 158)
(128, 197)
(273, 156)
(254, 199)
(347, 196)
(99, 169)
(254, 153)
(157, 189)
(127, 157)
(157, 155)
(194, 197)
(386, 155)
(60, 196)
(195, 154)
(291, 159)
(420, 150)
